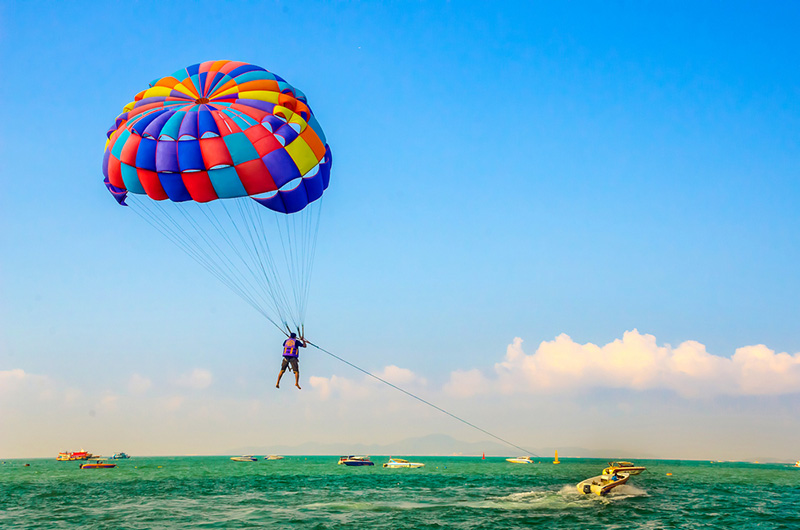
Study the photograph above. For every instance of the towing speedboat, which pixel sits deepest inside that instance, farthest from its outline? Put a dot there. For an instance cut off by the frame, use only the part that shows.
(356, 461)
(400, 463)
(520, 460)
(616, 474)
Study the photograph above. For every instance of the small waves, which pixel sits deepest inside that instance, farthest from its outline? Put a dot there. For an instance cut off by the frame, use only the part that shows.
(313, 492)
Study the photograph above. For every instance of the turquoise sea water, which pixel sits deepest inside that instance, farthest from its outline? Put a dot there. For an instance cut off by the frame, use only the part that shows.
(454, 492)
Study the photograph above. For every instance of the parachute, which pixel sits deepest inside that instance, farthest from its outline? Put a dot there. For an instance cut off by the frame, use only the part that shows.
(227, 160)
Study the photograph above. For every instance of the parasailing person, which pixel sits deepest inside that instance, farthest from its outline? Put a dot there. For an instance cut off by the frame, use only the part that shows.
(291, 357)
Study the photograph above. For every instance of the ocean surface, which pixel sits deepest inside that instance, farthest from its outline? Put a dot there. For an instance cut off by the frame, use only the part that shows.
(449, 492)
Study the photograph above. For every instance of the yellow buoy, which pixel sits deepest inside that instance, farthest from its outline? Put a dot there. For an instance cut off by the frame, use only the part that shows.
(669, 474)
(556, 460)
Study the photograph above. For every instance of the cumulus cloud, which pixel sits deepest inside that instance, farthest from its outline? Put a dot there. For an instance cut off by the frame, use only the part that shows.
(400, 376)
(634, 362)
(18, 382)
(173, 403)
(362, 388)
(138, 384)
(108, 403)
(340, 386)
(467, 383)
(197, 379)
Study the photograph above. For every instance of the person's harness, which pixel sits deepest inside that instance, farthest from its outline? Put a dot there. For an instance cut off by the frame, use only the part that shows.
(290, 348)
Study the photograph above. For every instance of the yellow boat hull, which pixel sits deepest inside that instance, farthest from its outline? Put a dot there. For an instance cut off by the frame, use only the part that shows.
(602, 484)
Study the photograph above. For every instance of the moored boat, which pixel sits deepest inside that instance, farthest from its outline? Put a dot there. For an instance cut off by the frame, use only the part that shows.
(119, 456)
(68, 456)
(615, 475)
(273, 457)
(356, 461)
(401, 463)
(99, 464)
(520, 460)
(244, 458)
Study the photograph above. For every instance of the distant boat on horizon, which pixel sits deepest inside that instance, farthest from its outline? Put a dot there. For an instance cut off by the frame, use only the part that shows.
(396, 463)
(67, 456)
(99, 464)
(244, 458)
(356, 461)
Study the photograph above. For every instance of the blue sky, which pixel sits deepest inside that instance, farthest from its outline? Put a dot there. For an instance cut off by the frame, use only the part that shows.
(584, 168)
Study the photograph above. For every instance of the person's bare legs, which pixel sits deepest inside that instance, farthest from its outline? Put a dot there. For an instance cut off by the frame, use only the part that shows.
(297, 380)
(278, 384)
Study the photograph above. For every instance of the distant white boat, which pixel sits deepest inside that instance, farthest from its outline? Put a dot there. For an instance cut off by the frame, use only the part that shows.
(244, 458)
(273, 457)
(400, 463)
(520, 460)
(355, 461)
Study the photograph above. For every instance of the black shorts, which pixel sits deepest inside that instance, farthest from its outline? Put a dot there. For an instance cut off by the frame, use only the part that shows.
(289, 360)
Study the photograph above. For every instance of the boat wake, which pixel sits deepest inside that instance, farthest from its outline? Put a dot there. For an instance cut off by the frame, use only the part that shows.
(626, 491)
(568, 496)
(537, 499)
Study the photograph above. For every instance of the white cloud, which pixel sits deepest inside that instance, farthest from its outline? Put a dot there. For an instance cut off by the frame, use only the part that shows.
(173, 403)
(72, 395)
(138, 384)
(466, 383)
(339, 386)
(18, 383)
(364, 387)
(762, 371)
(197, 379)
(400, 376)
(634, 362)
(108, 403)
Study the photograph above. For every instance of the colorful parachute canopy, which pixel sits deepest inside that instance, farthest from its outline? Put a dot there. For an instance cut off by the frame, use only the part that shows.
(210, 138)
(218, 130)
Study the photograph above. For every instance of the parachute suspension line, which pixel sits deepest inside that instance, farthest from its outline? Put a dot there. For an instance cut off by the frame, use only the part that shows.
(269, 285)
(178, 236)
(260, 214)
(287, 245)
(223, 262)
(311, 238)
(406, 392)
(223, 257)
(201, 255)
(188, 242)
(306, 230)
(297, 235)
(268, 269)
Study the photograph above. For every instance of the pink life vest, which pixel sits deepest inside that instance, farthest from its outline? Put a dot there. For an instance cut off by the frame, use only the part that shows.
(290, 348)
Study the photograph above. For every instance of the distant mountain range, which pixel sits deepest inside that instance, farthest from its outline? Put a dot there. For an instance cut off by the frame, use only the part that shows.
(431, 445)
